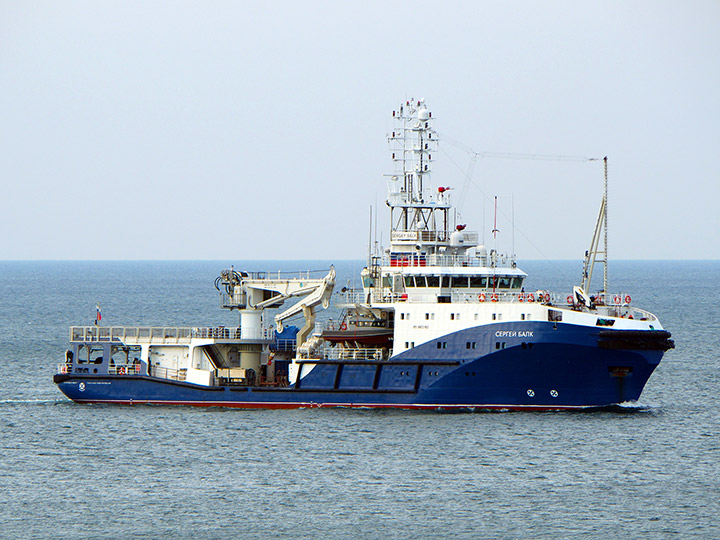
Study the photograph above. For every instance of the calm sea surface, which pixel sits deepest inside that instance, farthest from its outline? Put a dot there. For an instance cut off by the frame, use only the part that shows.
(650, 470)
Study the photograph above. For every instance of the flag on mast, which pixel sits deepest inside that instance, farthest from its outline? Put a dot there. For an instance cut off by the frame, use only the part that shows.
(98, 316)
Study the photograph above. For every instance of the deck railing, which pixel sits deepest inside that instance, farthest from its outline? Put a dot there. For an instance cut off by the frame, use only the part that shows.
(617, 305)
(337, 353)
(356, 296)
(120, 369)
(125, 369)
(169, 373)
(159, 334)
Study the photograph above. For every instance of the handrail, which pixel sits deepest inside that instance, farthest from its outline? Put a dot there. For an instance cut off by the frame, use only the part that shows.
(285, 345)
(335, 353)
(617, 303)
(158, 334)
(432, 235)
(356, 296)
(283, 275)
(125, 369)
(169, 373)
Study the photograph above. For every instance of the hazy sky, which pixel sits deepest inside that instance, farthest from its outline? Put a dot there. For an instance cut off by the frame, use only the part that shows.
(254, 130)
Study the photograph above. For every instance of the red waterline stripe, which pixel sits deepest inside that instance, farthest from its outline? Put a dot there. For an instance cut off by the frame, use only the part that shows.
(312, 405)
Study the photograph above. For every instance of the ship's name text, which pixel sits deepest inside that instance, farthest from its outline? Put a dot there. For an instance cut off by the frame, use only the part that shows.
(513, 333)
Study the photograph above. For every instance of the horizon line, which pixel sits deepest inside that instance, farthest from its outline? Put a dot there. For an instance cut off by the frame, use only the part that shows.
(323, 260)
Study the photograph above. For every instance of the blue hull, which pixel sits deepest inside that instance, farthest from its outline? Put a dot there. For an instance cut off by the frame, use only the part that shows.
(505, 366)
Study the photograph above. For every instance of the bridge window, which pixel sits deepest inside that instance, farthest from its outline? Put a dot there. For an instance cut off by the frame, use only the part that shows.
(517, 282)
(478, 282)
(504, 282)
(90, 354)
(460, 281)
(125, 354)
(433, 281)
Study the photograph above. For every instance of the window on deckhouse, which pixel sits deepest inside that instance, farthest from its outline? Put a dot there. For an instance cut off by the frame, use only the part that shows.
(459, 281)
(504, 282)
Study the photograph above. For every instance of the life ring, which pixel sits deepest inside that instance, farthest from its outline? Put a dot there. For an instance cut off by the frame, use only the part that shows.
(121, 370)
(617, 299)
(343, 327)
(547, 297)
(481, 296)
(531, 297)
(627, 299)
(521, 297)
(494, 297)
(570, 299)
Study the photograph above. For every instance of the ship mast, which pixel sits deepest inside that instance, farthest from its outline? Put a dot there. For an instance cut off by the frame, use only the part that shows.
(412, 212)
(591, 256)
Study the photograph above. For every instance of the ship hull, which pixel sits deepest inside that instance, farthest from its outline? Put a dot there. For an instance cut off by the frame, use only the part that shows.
(537, 366)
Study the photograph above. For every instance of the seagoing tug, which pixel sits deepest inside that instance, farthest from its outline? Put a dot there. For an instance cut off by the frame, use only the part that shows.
(440, 323)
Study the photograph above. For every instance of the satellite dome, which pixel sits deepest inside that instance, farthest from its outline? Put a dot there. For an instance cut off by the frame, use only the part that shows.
(457, 239)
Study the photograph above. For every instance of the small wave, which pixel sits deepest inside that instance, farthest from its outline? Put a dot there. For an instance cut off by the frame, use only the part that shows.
(31, 401)
(626, 407)
(632, 405)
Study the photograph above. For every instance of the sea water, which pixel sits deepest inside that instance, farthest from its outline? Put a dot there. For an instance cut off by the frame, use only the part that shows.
(645, 470)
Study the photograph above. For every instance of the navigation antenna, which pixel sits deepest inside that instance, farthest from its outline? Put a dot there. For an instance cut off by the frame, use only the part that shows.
(591, 256)
(412, 142)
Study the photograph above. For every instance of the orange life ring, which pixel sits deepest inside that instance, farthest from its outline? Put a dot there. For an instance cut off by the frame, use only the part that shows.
(627, 299)
(521, 297)
(531, 297)
(617, 299)
(494, 297)
(343, 327)
(481, 296)
(570, 299)
(121, 370)
(547, 297)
